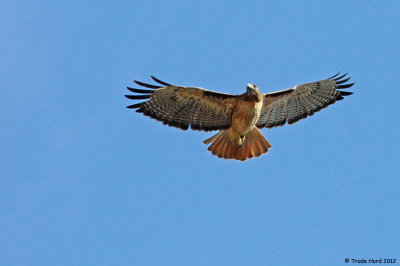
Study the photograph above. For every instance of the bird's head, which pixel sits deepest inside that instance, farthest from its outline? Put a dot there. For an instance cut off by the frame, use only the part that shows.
(253, 92)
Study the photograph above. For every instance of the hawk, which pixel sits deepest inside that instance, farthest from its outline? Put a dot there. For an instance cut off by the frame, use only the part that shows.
(237, 117)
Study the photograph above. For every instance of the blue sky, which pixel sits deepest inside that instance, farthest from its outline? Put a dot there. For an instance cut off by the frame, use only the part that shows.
(85, 181)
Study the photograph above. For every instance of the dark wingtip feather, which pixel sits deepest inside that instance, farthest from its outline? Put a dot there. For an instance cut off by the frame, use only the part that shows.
(339, 98)
(334, 75)
(343, 81)
(345, 86)
(345, 93)
(146, 85)
(161, 82)
(342, 76)
(138, 97)
(134, 106)
(139, 90)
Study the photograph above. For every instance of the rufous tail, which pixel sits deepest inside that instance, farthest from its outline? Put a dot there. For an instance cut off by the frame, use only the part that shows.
(254, 145)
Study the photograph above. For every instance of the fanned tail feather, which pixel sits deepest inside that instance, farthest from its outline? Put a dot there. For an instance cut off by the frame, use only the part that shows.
(254, 145)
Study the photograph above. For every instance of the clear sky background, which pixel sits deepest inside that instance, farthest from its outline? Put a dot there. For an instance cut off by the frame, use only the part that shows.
(85, 181)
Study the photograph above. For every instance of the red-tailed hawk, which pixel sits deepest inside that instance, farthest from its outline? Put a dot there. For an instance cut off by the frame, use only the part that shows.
(237, 117)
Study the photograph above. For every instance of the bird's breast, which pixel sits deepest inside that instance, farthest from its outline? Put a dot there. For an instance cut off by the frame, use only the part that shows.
(245, 116)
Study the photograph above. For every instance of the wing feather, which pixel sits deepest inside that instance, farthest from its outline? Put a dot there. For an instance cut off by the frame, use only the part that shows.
(184, 107)
(296, 103)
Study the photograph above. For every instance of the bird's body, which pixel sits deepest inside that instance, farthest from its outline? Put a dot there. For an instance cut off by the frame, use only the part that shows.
(238, 117)
(244, 116)
(242, 140)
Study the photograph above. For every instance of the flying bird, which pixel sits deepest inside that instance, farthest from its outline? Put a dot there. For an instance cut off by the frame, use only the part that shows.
(237, 117)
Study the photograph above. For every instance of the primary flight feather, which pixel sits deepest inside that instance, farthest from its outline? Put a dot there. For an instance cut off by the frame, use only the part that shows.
(238, 117)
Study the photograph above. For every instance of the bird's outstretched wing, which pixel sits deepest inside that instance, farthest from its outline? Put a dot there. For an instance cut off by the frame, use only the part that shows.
(182, 107)
(301, 101)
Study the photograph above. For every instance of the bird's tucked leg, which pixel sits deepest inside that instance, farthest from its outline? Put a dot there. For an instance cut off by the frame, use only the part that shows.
(236, 138)
(241, 140)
